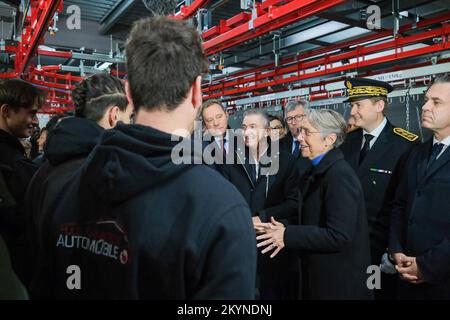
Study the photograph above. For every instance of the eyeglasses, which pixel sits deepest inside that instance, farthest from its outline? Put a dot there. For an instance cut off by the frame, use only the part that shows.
(306, 132)
(276, 128)
(298, 117)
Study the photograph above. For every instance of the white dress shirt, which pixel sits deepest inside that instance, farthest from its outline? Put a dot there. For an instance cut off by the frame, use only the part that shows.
(218, 140)
(375, 133)
(445, 142)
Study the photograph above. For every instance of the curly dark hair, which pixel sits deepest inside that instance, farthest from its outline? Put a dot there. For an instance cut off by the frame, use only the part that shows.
(95, 94)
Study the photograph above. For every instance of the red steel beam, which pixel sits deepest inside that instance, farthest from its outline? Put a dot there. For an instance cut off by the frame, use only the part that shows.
(187, 12)
(42, 12)
(10, 49)
(275, 18)
(346, 44)
(326, 60)
(7, 75)
(58, 54)
(395, 44)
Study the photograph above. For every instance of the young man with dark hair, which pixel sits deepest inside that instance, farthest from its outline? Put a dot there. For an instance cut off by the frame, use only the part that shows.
(165, 231)
(100, 103)
(19, 103)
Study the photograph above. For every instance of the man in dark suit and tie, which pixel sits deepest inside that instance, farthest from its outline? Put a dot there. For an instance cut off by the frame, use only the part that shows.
(420, 228)
(217, 135)
(374, 151)
(294, 115)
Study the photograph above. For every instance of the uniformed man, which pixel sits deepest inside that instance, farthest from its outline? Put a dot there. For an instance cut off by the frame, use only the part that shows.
(374, 151)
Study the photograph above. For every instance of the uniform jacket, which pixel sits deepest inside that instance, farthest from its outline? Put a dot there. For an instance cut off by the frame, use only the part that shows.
(378, 173)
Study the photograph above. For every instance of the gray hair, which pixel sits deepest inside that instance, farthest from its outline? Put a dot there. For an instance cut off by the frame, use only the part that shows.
(445, 78)
(328, 122)
(265, 117)
(294, 104)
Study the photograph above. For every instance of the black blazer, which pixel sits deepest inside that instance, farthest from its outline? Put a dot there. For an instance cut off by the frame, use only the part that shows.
(420, 225)
(332, 235)
(270, 196)
(379, 174)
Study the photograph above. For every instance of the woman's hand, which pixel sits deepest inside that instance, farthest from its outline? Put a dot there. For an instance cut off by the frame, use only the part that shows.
(272, 238)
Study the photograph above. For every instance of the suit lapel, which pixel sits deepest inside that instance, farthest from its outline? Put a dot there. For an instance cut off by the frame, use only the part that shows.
(423, 160)
(441, 161)
(246, 167)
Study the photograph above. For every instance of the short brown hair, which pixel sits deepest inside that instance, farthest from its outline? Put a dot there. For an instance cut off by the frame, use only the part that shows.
(17, 94)
(211, 102)
(164, 57)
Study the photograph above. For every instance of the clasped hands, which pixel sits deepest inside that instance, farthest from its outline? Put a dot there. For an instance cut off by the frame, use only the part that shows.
(407, 268)
(270, 235)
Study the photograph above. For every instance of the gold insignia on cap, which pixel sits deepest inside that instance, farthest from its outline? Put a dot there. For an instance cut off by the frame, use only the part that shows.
(367, 91)
(348, 84)
(406, 134)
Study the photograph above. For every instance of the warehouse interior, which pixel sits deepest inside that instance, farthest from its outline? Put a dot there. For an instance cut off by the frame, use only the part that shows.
(262, 53)
(347, 100)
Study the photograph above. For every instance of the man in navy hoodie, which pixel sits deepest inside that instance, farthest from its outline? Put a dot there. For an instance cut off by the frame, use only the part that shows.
(133, 224)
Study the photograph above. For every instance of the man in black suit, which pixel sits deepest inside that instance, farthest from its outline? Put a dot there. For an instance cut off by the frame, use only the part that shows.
(268, 181)
(420, 226)
(294, 115)
(217, 137)
(374, 151)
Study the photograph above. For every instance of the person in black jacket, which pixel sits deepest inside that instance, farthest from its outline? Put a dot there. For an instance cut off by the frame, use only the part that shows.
(19, 103)
(138, 225)
(100, 103)
(11, 287)
(377, 162)
(420, 226)
(331, 235)
(268, 180)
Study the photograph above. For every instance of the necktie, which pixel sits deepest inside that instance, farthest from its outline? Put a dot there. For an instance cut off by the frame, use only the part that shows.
(435, 151)
(366, 147)
(296, 151)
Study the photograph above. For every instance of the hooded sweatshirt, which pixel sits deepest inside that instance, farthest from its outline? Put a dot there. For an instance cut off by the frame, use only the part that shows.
(138, 226)
(66, 149)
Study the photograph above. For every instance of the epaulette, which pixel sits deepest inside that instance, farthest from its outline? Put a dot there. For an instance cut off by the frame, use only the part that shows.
(406, 134)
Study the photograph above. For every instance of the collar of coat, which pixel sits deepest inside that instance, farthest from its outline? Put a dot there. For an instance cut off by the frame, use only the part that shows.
(330, 158)
(11, 141)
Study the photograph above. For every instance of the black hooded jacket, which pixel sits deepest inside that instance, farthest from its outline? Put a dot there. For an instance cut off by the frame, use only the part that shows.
(140, 226)
(66, 149)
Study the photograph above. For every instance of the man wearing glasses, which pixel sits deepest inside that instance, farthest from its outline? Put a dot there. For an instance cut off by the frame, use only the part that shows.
(295, 113)
(278, 131)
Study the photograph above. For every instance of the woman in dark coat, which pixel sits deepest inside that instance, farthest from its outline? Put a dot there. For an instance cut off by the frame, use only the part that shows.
(332, 236)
